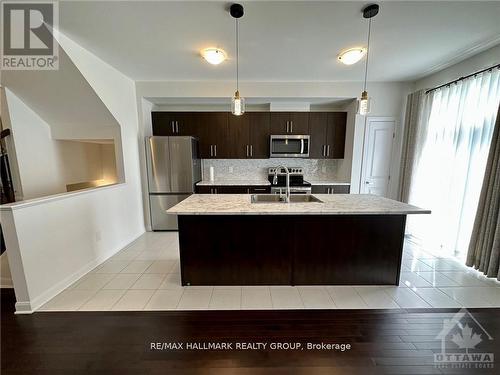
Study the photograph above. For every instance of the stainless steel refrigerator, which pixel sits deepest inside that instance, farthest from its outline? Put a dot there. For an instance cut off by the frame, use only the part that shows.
(174, 168)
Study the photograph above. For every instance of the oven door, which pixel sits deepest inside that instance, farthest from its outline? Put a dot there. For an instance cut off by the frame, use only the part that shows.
(289, 146)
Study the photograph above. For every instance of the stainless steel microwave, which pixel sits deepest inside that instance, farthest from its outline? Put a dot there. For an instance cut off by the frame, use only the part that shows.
(290, 146)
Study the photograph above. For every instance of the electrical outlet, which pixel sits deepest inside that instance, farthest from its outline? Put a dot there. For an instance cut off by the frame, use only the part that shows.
(231, 169)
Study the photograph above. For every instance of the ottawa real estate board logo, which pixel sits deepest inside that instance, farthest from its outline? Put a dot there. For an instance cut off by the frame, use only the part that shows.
(461, 338)
(28, 41)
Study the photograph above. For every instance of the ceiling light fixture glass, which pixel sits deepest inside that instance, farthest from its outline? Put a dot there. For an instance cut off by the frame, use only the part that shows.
(352, 55)
(214, 56)
(237, 102)
(364, 102)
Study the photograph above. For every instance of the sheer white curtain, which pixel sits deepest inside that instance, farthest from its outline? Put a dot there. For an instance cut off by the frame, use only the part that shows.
(458, 124)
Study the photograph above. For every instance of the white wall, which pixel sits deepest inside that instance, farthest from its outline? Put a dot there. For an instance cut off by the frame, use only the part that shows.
(34, 147)
(473, 64)
(64, 162)
(53, 241)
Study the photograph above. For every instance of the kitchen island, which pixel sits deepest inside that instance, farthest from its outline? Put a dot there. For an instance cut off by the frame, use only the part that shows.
(346, 239)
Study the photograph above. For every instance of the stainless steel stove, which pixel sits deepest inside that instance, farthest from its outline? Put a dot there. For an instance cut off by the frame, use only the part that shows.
(298, 185)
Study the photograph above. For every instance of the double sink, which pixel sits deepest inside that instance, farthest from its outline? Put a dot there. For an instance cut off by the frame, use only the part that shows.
(277, 198)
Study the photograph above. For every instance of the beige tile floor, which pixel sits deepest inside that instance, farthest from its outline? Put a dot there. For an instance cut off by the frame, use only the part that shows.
(146, 276)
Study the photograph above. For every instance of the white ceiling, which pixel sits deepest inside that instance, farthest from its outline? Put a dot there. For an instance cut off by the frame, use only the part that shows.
(280, 41)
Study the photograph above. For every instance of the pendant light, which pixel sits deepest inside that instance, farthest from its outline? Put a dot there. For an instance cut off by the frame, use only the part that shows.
(364, 101)
(237, 102)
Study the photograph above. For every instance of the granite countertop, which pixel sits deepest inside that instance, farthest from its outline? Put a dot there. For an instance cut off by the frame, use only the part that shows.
(333, 204)
(234, 183)
(328, 182)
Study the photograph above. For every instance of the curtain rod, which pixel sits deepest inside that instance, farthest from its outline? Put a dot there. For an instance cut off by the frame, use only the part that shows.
(464, 77)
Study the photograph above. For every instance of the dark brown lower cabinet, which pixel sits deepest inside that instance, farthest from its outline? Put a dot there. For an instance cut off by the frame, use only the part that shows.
(291, 250)
(330, 189)
(224, 189)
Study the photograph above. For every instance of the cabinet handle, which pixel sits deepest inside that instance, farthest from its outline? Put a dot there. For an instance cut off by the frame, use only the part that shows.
(247, 151)
(328, 150)
(177, 126)
(248, 191)
(286, 127)
(215, 150)
(211, 150)
(173, 127)
(251, 150)
(323, 151)
(291, 126)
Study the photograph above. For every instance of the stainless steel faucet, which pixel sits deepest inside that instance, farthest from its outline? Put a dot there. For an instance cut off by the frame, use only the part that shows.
(275, 180)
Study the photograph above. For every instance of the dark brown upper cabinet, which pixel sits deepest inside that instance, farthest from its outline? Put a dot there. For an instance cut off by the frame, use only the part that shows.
(249, 136)
(212, 131)
(259, 134)
(289, 123)
(172, 123)
(238, 134)
(224, 136)
(327, 130)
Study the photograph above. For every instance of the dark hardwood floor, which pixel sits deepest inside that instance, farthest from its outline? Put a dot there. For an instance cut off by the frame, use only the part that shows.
(383, 341)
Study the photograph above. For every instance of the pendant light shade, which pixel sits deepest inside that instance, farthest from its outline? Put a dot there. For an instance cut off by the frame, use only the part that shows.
(237, 102)
(364, 102)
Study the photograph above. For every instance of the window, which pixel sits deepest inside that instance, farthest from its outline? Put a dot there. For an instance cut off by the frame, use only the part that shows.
(449, 170)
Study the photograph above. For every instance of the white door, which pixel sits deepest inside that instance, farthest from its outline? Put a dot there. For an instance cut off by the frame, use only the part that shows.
(377, 153)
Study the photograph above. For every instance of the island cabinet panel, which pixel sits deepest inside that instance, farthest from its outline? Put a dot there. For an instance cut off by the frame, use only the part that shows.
(348, 250)
(289, 123)
(291, 249)
(219, 250)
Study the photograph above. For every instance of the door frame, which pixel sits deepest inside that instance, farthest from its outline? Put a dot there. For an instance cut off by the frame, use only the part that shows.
(393, 163)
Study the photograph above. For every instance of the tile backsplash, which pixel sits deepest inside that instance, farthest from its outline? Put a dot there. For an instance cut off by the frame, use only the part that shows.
(252, 169)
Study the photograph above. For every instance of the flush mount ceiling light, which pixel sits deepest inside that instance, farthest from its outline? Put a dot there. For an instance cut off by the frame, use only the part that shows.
(237, 102)
(352, 55)
(214, 56)
(364, 101)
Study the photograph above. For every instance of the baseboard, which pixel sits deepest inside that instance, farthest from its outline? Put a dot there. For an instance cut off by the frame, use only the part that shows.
(23, 308)
(46, 296)
(6, 283)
